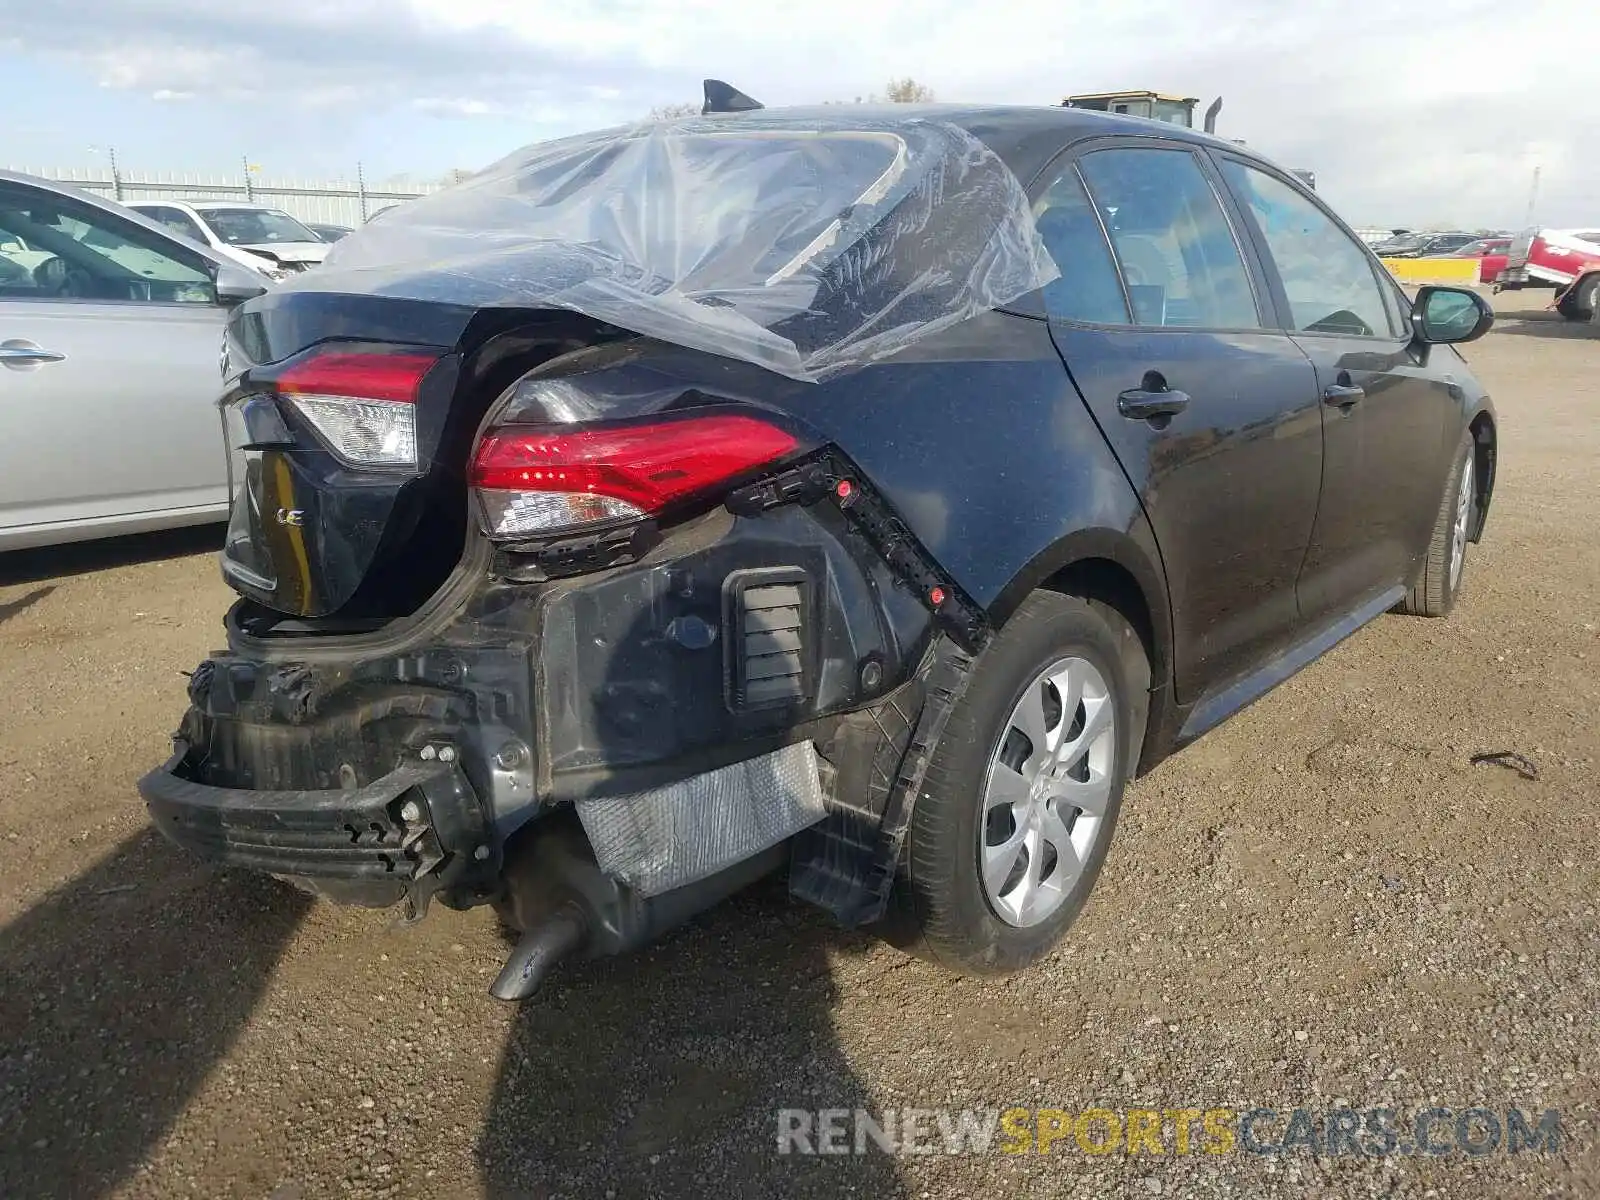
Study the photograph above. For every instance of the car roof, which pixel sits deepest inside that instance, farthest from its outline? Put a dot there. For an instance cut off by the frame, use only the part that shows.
(127, 212)
(1171, 96)
(1024, 136)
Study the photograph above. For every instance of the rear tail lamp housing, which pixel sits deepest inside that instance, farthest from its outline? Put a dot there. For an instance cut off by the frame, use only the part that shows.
(361, 403)
(540, 481)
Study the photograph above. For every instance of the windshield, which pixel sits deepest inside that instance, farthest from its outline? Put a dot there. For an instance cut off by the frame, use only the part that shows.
(1173, 112)
(1405, 242)
(809, 243)
(253, 226)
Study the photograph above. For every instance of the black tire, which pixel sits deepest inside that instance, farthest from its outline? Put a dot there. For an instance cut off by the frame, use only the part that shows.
(1581, 302)
(1434, 594)
(1589, 298)
(941, 911)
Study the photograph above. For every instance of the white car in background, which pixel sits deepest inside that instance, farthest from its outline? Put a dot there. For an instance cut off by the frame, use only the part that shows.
(266, 239)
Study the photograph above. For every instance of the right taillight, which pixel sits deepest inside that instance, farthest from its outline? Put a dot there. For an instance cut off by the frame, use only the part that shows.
(531, 482)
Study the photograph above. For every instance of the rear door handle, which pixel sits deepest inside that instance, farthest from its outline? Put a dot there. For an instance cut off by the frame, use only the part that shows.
(26, 354)
(1342, 395)
(1141, 404)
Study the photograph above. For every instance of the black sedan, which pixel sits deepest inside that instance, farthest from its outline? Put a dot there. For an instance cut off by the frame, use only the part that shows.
(868, 494)
(1423, 245)
(329, 233)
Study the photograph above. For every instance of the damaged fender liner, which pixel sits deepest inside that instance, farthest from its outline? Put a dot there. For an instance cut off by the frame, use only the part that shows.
(406, 835)
(847, 864)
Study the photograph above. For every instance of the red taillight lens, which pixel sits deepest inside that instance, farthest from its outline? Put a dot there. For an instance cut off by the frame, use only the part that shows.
(363, 404)
(534, 481)
(374, 376)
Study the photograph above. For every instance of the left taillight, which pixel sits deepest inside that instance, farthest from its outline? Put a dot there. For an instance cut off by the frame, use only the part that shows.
(533, 482)
(363, 404)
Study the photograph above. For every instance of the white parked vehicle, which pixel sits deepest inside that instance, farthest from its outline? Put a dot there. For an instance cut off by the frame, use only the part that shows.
(266, 239)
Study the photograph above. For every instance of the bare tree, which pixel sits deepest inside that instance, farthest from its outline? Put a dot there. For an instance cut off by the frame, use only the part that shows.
(898, 91)
(671, 112)
(908, 91)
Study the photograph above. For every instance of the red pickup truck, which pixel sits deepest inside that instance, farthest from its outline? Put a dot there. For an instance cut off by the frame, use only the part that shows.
(1565, 259)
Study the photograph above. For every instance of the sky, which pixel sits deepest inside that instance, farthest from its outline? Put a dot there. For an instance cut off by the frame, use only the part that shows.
(1431, 115)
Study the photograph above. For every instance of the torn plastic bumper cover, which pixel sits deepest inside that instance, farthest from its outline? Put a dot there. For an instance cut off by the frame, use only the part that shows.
(808, 242)
(406, 835)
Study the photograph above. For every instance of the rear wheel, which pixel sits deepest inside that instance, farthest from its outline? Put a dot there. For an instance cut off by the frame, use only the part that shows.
(1436, 588)
(1023, 791)
(1581, 302)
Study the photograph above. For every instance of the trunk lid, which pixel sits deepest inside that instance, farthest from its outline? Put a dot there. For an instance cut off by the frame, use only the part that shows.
(345, 453)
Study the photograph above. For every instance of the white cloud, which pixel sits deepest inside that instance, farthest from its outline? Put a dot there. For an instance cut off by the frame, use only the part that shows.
(1440, 121)
(455, 106)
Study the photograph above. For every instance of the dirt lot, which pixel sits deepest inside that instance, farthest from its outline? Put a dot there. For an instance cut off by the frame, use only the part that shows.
(1322, 902)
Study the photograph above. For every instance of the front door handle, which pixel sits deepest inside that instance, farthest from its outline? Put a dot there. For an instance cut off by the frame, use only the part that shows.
(1342, 395)
(25, 354)
(1141, 404)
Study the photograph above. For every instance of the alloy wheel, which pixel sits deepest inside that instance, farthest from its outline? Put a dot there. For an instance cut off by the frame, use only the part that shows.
(1463, 523)
(1046, 791)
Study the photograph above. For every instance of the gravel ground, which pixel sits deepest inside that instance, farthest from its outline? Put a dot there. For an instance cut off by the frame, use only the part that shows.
(1322, 902)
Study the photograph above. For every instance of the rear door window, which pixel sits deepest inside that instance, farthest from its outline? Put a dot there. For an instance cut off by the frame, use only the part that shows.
(1173, 243)
(1330, 281)
(1089, 289)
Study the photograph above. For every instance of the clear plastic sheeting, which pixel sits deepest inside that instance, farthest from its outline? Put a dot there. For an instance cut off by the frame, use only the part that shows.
(810, 242)
(670, 836)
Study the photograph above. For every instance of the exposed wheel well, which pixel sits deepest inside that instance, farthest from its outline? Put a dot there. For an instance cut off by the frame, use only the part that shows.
(1113, 584)
(1483, 464)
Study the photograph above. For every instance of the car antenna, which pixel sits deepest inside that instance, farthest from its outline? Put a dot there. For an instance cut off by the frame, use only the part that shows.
(725, 98)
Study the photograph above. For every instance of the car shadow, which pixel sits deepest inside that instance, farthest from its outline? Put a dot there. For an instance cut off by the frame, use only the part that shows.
(692, 1045)
(11, 608)
(692, 1048)
(81, 558)
(119, 993)
(1538, 322)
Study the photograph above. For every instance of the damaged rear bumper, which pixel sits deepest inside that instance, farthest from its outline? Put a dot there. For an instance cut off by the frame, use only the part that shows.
(640, 699)
(411, 832)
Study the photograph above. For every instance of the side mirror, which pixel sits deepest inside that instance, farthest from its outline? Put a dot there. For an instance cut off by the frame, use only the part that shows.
(236, 284)
(1442, 315)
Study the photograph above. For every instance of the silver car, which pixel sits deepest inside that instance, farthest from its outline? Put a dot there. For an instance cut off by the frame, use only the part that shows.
(110, 330)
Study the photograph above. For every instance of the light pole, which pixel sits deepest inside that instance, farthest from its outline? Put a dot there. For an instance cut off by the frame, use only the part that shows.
(116, 176)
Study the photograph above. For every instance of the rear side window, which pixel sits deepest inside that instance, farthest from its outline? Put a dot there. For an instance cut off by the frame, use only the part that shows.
(1329, 278)
(1088, 289)
(1173, 243)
